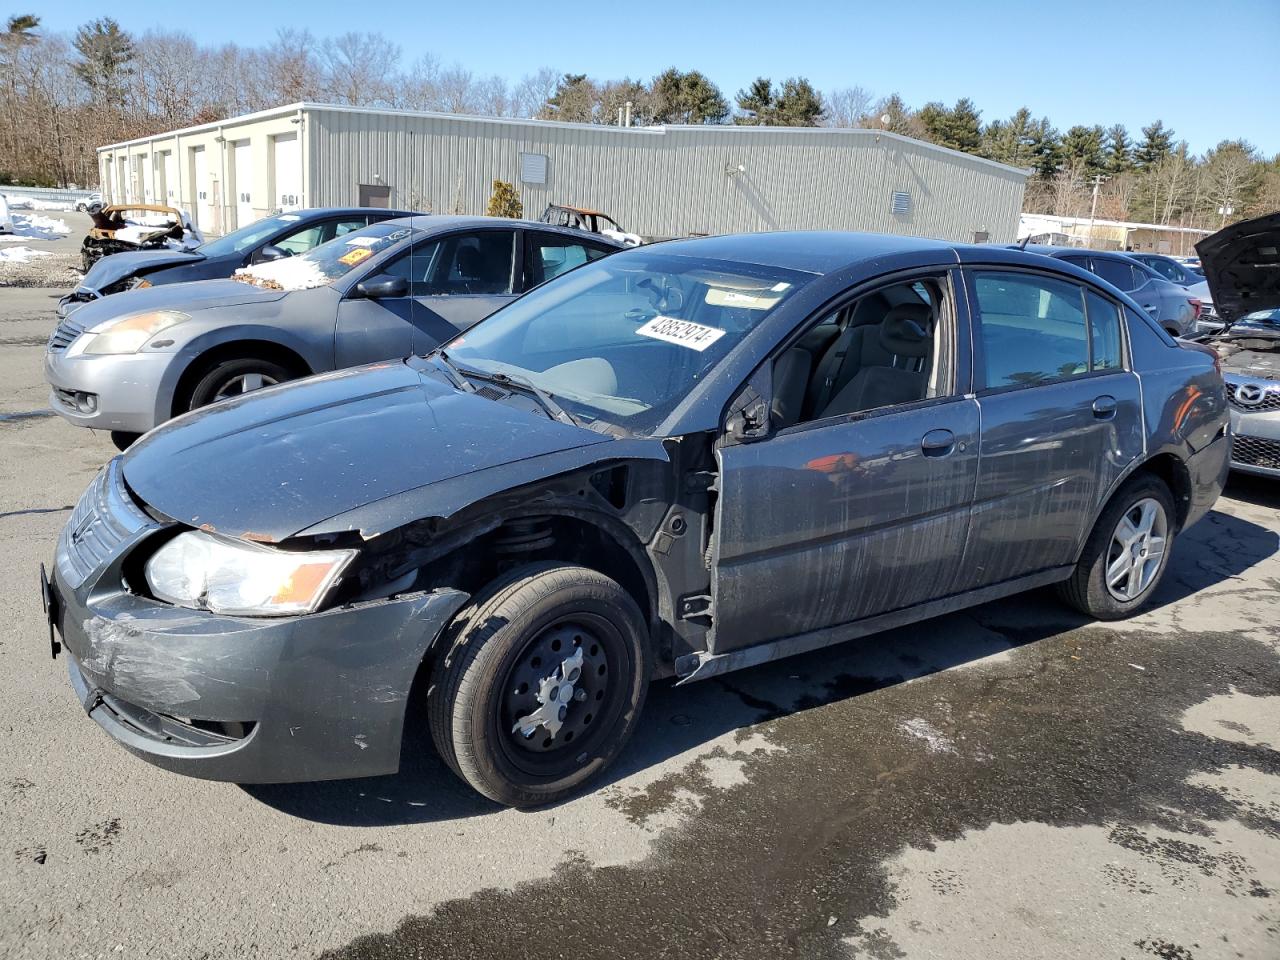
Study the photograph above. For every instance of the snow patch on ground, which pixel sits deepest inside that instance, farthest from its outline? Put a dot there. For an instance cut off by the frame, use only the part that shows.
(34, 203)
(934, 739)
(32, 226)
(291, 273)
(21, 254)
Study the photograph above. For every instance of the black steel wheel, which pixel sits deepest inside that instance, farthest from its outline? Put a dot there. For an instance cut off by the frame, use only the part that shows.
(542, 684)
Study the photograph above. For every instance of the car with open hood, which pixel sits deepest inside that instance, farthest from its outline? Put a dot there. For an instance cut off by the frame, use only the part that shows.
(127, 362)
(271, 238)
(1242, 266)
(675, 461)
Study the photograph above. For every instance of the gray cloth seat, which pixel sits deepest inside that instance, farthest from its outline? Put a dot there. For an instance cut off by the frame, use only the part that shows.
(857, 346)
(905, 337)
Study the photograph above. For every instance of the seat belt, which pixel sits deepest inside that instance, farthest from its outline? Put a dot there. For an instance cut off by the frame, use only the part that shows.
(843, 343)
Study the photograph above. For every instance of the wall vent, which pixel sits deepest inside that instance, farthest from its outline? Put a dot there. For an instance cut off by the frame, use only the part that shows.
(533, 168)
(901, 203)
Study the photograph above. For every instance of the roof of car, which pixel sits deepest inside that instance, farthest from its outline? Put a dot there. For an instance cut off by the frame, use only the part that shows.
(1052, 251)
(818, 252)
(434, 223)
(318, 212)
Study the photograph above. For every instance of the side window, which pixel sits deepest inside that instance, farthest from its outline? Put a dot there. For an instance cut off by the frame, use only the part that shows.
(300, 241)
(889, 347)
(1116, 273)
(1104, 332)
(1032, 329)
(346, 226)
(547, 256)
(1165, 269)
(414, 266)
(473, 263)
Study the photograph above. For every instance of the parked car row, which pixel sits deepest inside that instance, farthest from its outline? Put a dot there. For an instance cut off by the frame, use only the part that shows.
(305, 293)
(674, 460)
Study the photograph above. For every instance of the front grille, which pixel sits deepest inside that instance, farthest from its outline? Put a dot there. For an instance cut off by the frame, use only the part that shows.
(103, 521)
(1267, 394)
(1255, 452)
(64, 333)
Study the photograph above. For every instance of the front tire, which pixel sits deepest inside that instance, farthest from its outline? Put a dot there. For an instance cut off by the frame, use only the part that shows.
(123, 440)
(230, 378)
(1127, 554)
(542, 684)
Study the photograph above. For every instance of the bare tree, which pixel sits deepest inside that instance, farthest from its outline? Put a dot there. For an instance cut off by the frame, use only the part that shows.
(847, 107)
(457, 90)
(533, 91)
(359, 69)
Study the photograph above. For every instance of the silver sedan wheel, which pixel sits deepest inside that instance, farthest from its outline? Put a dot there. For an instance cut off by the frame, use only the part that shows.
(1137, 550)
(244, 383)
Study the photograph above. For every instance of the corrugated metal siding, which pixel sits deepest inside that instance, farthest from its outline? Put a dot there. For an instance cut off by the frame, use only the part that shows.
(668, 182)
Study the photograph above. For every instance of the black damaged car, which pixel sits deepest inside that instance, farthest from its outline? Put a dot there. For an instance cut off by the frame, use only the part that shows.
(672, 462)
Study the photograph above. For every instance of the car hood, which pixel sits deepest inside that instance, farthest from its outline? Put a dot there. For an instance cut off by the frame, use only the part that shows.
(120, 266)
(1242, 265)
(187, 297)
(268, 465)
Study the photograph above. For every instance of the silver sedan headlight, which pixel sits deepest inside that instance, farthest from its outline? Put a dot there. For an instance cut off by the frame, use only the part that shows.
(129, 334)
(204, 572)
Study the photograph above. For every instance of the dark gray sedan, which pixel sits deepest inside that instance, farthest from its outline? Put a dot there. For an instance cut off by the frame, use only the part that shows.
(677, 461)
(271, 238)
(128, 362)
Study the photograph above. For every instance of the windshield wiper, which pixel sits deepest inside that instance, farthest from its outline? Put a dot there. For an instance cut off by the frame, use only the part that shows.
(548, 403)
(455, 375)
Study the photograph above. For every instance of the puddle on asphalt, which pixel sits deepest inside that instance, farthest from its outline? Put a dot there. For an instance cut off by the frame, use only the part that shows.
(21, 415)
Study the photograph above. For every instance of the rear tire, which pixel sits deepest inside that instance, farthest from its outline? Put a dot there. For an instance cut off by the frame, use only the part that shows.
(229, 378)
(510, 646)
(1130, 562)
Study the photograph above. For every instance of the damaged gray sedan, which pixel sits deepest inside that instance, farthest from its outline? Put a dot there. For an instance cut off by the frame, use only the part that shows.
(673, 462)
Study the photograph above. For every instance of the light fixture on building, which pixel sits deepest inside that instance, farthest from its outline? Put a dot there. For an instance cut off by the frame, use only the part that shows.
(734, 169)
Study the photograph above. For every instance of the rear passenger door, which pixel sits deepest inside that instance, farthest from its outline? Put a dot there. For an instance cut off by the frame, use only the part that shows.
(1061, 418)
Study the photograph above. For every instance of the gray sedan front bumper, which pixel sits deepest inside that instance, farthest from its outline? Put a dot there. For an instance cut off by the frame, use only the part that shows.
(128, 390)
(244, 699)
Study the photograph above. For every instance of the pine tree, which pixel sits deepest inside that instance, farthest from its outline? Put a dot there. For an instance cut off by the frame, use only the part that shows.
(964, 126)
(1084, 145)
(106, 63)
(799, 105)
(1119, 151)
(1156, 145)
(687, 98)
(756, 103)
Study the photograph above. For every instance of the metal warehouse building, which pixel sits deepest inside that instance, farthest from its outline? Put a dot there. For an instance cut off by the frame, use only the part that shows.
(662, 181)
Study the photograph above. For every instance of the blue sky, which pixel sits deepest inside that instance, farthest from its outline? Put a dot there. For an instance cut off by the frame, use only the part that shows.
(1209, 69)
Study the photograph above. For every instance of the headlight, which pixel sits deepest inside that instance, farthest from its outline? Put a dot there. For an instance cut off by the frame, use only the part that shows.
(139, 283)
(203, 572)
(128, 334)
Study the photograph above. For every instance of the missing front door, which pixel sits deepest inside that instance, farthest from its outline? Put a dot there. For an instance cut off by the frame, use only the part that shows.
(375, 195)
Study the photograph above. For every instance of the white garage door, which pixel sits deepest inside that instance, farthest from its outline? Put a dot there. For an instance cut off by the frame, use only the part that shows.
(202, 188)
(286, 173)
(167, 177)
(242, 167)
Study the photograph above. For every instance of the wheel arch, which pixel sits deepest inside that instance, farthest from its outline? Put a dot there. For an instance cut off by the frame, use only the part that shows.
(269, 350)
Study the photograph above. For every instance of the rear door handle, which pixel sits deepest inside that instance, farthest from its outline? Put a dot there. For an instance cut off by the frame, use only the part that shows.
(1104, 408)
(937, 443)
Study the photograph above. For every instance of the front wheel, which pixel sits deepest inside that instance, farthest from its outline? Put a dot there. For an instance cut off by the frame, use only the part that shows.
(231, 378)
(1127, 553)
(542, 684)
(123, 440)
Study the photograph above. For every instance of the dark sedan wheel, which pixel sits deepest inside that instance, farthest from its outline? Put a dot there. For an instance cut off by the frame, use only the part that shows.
(542, 684)
(1127, 554)
(230, 378)
(123, 440)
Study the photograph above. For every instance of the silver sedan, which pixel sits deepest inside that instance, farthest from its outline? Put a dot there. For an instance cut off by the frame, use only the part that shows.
(132, 361)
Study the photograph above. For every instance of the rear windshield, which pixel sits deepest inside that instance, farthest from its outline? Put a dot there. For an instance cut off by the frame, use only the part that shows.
(328, 262)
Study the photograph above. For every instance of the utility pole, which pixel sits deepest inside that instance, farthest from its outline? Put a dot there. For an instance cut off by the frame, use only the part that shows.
(1098, 181)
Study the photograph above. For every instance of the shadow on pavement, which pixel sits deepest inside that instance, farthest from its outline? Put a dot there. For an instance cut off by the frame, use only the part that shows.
(677, 720)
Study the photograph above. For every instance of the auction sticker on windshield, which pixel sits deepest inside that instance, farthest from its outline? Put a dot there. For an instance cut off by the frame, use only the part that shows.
(684, 333)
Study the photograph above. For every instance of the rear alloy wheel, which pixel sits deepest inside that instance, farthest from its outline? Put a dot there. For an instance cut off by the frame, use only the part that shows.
(542, 684)
(231, 378)
(1127, 553)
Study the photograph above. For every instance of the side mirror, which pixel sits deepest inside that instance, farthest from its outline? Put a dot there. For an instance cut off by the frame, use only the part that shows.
(383, 287)
(271, 252)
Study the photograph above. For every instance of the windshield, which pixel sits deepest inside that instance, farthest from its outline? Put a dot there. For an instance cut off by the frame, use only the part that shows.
(240, 240)
(623, 340)
(328, 262)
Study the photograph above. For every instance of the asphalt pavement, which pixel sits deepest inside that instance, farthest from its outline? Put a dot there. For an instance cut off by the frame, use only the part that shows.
(1008, 782)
